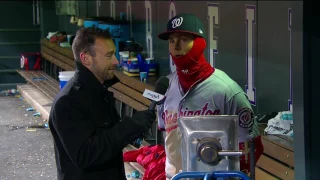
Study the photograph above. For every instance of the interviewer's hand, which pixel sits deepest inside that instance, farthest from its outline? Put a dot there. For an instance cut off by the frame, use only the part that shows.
(144, 119)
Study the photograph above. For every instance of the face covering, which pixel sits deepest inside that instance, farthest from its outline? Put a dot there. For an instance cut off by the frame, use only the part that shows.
(193, 67)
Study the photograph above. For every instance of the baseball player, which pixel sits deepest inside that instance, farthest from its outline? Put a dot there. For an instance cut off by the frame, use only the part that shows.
(196, 88)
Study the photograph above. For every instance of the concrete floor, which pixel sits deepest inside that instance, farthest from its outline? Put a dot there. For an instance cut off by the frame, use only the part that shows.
(24, 154)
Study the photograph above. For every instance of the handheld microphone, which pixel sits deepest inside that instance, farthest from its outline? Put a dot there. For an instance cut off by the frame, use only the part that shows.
(157, 97)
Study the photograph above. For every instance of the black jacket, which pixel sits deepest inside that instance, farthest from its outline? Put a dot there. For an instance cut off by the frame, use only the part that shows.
(88, 134)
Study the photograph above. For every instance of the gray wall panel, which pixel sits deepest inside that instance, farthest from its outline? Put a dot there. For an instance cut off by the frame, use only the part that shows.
(300, 125)
(273, 56)
(230, 32)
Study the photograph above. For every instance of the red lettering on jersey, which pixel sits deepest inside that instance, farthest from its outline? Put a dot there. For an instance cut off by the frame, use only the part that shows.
(204, 109)
(197, 113)
(171, 119)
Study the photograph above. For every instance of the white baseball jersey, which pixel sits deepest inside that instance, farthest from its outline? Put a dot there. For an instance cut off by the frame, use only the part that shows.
(217, 95)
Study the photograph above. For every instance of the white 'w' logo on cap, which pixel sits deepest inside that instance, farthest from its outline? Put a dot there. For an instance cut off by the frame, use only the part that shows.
(177, 22)
(185, 71)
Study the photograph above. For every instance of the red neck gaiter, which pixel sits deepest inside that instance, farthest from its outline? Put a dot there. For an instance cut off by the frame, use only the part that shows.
(193, 66)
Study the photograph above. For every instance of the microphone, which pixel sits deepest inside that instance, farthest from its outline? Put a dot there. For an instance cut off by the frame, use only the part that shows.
(157, 97)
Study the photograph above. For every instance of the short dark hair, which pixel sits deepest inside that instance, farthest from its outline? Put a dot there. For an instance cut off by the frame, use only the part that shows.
(85, 39)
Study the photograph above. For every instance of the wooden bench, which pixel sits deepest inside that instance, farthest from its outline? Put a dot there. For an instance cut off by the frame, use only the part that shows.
(60, 56)
(42, 81)
(277, 161)
(129, 91)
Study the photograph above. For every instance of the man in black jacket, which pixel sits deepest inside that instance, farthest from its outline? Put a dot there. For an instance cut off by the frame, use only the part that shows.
(88, 134)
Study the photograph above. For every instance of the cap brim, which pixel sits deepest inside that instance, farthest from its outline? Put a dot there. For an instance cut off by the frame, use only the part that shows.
(165, 35)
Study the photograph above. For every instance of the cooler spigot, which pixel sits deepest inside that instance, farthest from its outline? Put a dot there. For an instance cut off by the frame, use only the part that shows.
(209, 151)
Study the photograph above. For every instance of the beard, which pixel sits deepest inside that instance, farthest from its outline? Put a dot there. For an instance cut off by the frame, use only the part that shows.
(109, 74)
(102, 73)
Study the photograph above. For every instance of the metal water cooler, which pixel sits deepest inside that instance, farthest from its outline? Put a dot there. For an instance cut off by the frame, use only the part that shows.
(210, 148)
(120, 32)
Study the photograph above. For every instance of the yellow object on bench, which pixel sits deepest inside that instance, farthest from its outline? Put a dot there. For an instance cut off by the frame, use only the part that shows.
(136, 74)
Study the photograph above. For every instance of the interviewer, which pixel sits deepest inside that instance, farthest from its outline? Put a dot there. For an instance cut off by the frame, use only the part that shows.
(88, 134)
